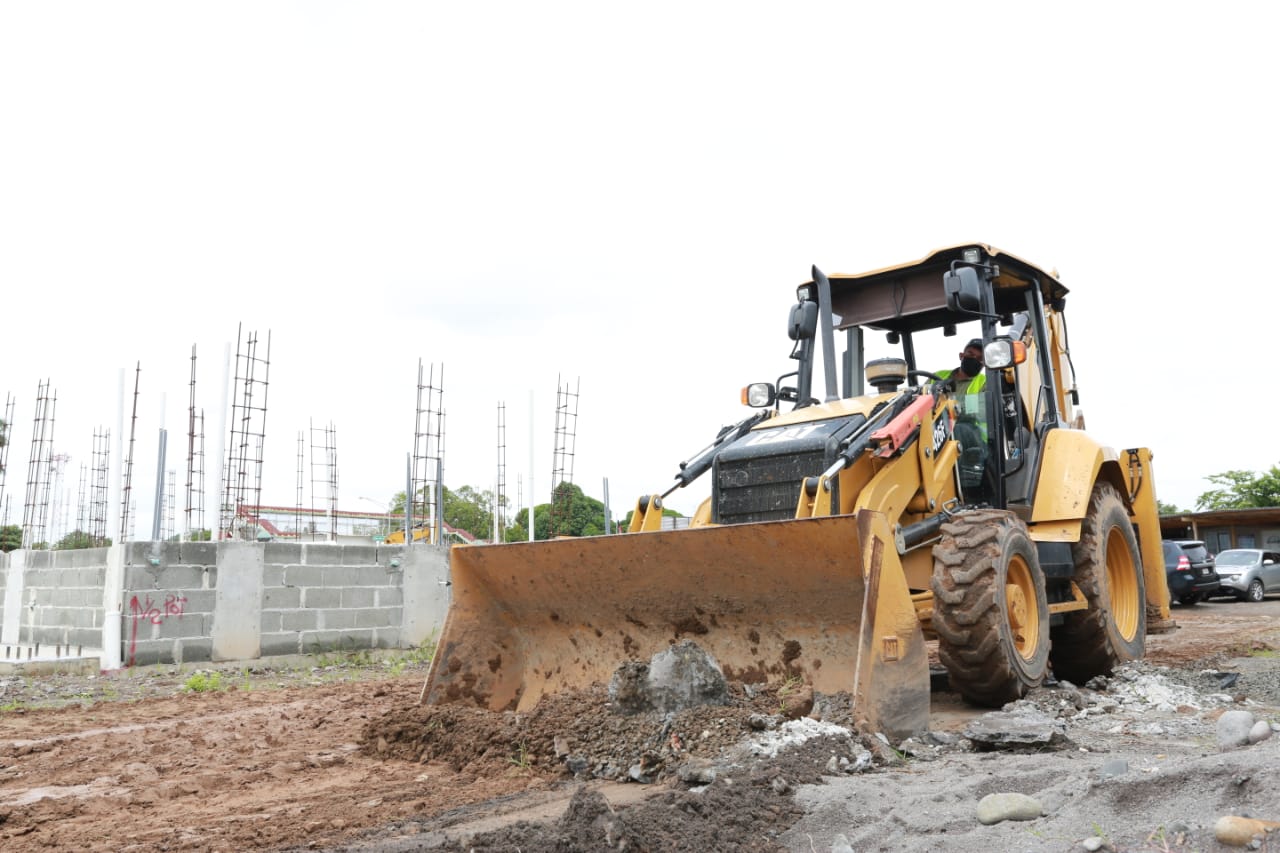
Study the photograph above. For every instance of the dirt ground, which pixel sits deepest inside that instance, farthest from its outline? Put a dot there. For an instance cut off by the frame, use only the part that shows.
(337, 755)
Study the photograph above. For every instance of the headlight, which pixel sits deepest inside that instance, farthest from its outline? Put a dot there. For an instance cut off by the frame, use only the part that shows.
(1003, 352)
(758, 395)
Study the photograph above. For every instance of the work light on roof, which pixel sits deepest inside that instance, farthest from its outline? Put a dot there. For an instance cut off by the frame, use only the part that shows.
(972, 256)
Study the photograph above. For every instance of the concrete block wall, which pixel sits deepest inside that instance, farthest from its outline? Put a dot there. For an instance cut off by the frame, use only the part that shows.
(321, 597)
(54, 598)
(168, 602)
(199, 601)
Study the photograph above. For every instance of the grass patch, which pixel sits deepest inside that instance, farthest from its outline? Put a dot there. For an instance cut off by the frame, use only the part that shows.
(202, 682)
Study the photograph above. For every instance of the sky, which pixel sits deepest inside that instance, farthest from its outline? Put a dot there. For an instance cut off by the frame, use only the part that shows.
(616, 198)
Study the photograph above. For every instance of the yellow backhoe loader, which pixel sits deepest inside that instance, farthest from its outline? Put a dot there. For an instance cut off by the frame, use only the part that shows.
(843, 533)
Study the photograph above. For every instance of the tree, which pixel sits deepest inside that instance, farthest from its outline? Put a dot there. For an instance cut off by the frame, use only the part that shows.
(10, 537)
(77, 539)
(1166, 509)
(468, 509)
(1242, 490)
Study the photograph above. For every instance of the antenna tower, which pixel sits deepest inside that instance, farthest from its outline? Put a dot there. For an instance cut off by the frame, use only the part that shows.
(427, 472)
(248, 430)
(562, 458)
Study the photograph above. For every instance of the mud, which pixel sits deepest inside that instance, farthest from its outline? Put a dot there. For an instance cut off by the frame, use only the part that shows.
(341, 757)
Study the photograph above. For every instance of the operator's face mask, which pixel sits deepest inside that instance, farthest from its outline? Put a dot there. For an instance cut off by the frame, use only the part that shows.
(970, 366)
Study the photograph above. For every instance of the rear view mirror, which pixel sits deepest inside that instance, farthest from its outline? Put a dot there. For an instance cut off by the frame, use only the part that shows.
(964, 289)
(803, 324)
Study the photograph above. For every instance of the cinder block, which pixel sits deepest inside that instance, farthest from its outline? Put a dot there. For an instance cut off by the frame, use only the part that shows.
(282, 553)
(315, 642)
(40, 559)
(358, 596)
(211, 578)
(198, 553)
(336, 620)
(269, 620)
(189, 650)
(137, 553)
(139, 577)
(191, 625)
(304, 576)
(356, 576)
(282, 644)
(298, 620)
(180, 577)
(148, 652)
(386, 638)
(321, 553)
(198, 600)
(282, 598)
(389, 596)
(273, 576)
(85, 638)
(359, 555)
(171, 554)
(316, 596)
(375, 617)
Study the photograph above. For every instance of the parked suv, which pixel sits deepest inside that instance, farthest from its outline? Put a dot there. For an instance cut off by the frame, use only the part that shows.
(1248, 573)
(1189, 568)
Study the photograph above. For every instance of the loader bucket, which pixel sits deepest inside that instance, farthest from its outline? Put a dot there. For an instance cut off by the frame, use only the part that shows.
(769, 601)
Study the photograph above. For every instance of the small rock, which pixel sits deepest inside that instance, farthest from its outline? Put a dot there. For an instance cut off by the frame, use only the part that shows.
(779, 785)
(942, 738)
(994, 808)
(1016, 729)
(1241, 831)
(576, 764)
(833, 765)
(637, 774)
(561, 745)
(840, 844)
(1233, 729)
(1261, 731)
(697, 772)
(1114, 767)
(758, 722)
(1092, 843)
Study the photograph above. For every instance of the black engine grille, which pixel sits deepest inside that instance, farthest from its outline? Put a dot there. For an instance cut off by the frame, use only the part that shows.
(759, 477)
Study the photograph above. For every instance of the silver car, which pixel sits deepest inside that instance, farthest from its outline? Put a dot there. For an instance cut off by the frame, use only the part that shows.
(1249, 573)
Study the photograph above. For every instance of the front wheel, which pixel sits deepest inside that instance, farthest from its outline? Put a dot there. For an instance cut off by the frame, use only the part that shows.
(1256, 592)
(1108, 571)
(990, 611)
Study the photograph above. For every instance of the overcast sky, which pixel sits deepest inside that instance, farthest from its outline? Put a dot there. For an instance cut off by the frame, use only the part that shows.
(618, 196)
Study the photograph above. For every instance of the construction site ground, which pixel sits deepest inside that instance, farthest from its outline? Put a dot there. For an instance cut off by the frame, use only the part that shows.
(334, 753)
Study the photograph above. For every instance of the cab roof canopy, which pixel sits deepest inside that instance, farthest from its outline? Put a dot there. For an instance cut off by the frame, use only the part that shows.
(910, 297)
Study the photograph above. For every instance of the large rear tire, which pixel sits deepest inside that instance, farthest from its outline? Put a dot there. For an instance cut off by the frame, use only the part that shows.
(1108, 571)
(989, 607)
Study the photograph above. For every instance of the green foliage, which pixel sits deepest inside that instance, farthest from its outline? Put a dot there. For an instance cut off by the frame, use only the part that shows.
(10, 538)
(202, 682)
(1167, 509)
(1242, 490)
(77, 539)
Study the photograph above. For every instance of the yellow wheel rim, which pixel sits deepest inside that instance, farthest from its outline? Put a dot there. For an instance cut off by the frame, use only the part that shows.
(1020, 608)
(1122, 580)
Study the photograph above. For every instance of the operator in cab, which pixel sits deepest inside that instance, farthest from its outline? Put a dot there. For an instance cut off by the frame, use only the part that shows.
(968, 381)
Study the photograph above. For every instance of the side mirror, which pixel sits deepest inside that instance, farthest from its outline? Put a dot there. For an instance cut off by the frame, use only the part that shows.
(803, 324)
(963, 287)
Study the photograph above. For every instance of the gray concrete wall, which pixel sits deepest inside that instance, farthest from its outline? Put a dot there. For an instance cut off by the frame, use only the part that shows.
(54, 598)
(198, 601)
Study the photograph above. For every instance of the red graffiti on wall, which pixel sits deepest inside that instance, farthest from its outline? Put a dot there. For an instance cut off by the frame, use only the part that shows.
(149, 611)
